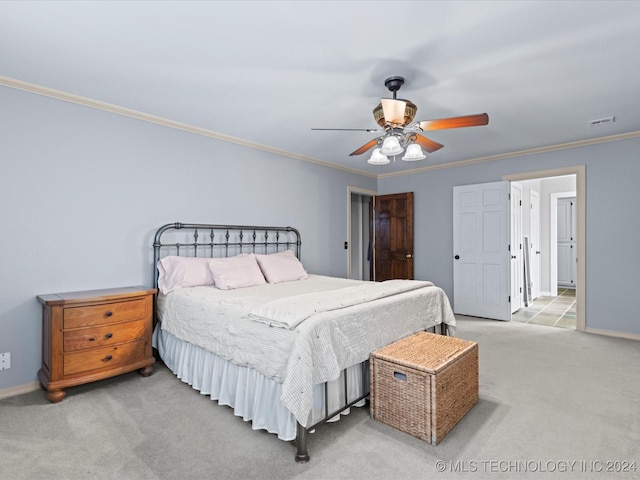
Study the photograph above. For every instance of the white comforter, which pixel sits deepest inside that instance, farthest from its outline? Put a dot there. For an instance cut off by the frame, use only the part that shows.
(289, 312)
(313, 352)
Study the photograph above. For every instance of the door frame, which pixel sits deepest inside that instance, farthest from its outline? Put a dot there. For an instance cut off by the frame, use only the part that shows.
(359, 191)
(581, 194)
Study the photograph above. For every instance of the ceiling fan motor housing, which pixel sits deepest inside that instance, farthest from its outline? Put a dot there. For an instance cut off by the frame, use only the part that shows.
(394, 84)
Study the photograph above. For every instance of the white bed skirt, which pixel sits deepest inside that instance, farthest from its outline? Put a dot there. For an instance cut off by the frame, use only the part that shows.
(253, 396)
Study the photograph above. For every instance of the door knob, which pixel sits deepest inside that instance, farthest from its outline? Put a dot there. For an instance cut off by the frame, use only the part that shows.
(513, 256)
(457, 257)
(537, 252)
(408, 255)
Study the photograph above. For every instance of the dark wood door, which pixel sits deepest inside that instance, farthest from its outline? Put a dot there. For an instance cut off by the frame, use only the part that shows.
(393, 246)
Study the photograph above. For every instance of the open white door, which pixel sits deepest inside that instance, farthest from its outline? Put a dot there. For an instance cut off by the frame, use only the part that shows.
(534, 255)
(481, 263)
(517, 269)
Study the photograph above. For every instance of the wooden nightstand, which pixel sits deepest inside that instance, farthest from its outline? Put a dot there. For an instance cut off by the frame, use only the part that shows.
(92, 335)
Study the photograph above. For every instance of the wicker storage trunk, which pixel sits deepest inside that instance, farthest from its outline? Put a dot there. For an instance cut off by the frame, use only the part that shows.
(424, 384)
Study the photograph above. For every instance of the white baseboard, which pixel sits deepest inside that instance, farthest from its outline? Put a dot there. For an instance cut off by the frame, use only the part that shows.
(611, 333)
(19, 390)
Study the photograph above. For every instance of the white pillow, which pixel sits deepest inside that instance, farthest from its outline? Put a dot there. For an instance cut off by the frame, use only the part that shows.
(236, 272)
(281, 267)
(178, 272)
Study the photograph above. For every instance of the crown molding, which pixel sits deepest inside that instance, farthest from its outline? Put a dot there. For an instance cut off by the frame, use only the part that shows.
(145, 117)
(502, 156)
(127, 112)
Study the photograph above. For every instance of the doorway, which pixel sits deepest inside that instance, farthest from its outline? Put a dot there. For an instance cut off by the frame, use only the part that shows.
(358, 244)
(547, 244)
(379, 235)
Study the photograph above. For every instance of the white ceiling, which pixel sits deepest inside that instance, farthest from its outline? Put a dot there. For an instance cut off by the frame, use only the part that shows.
(268, 71)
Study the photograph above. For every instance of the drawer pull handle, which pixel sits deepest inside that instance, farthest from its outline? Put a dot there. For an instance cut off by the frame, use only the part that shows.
(109, 313)
(400, 376)
(107, 358)
(108, 335)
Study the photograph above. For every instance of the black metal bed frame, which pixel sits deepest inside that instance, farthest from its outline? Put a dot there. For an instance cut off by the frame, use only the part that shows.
(228, 240)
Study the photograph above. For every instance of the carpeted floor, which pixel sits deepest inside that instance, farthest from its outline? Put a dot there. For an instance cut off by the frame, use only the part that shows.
(554, 403)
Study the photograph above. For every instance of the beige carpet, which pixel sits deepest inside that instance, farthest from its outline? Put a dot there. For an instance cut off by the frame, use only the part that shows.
(554, 403)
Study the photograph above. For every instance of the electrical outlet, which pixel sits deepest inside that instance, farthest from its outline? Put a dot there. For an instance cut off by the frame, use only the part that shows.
(5, 361)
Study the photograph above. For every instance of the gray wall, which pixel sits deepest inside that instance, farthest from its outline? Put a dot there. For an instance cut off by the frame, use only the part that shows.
(612, 222)
(82, 192)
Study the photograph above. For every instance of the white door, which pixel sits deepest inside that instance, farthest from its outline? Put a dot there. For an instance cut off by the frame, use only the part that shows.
(534, 234)
(567, 242)
(481, 262)
(517, 269)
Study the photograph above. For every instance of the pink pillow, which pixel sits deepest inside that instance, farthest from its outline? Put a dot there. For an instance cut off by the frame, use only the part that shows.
(236, 272)
(281, 267)
(177, 272)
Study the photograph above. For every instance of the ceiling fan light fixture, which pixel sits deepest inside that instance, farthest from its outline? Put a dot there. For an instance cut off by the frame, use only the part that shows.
(395, 116)
(393, 110)
(391, 146)
(377, 158)
(409, 113)
(413, 153)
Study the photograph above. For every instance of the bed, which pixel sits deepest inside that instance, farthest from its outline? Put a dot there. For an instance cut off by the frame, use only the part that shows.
(239, 319)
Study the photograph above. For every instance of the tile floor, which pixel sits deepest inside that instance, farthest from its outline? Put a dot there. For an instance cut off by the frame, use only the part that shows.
(557, 311)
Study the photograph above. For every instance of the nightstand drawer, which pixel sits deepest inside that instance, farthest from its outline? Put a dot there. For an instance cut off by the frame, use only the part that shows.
(93, 337)
(106, 357)
(105, 313)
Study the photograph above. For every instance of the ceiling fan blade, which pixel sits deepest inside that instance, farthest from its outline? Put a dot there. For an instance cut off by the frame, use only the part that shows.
(348, 129)
(365, 147)
(393, 110)
(426, 144)
(455, 122)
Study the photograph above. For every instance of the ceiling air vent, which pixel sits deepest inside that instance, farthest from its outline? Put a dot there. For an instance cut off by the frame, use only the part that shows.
(601, 121)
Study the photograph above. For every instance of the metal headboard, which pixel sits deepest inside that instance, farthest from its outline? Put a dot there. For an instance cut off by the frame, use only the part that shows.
(207, 240)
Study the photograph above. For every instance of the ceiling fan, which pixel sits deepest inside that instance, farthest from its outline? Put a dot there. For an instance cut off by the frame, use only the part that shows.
(395, 116)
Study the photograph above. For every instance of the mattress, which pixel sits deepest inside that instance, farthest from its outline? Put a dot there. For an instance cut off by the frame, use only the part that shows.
(316, 350)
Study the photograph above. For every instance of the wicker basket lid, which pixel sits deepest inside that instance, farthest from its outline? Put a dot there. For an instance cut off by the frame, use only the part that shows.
(425, 351)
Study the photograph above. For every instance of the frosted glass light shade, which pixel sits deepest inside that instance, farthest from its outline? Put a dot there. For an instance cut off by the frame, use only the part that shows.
(377, 158)
(393, 110)
(413, 153)
(391, 146)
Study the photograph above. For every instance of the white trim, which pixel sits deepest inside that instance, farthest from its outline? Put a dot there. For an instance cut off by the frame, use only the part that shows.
(612, 333)
(88, 102)
(19, 390)
(127, 112)
(531, 151)
(350, 190)
(581, 194)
